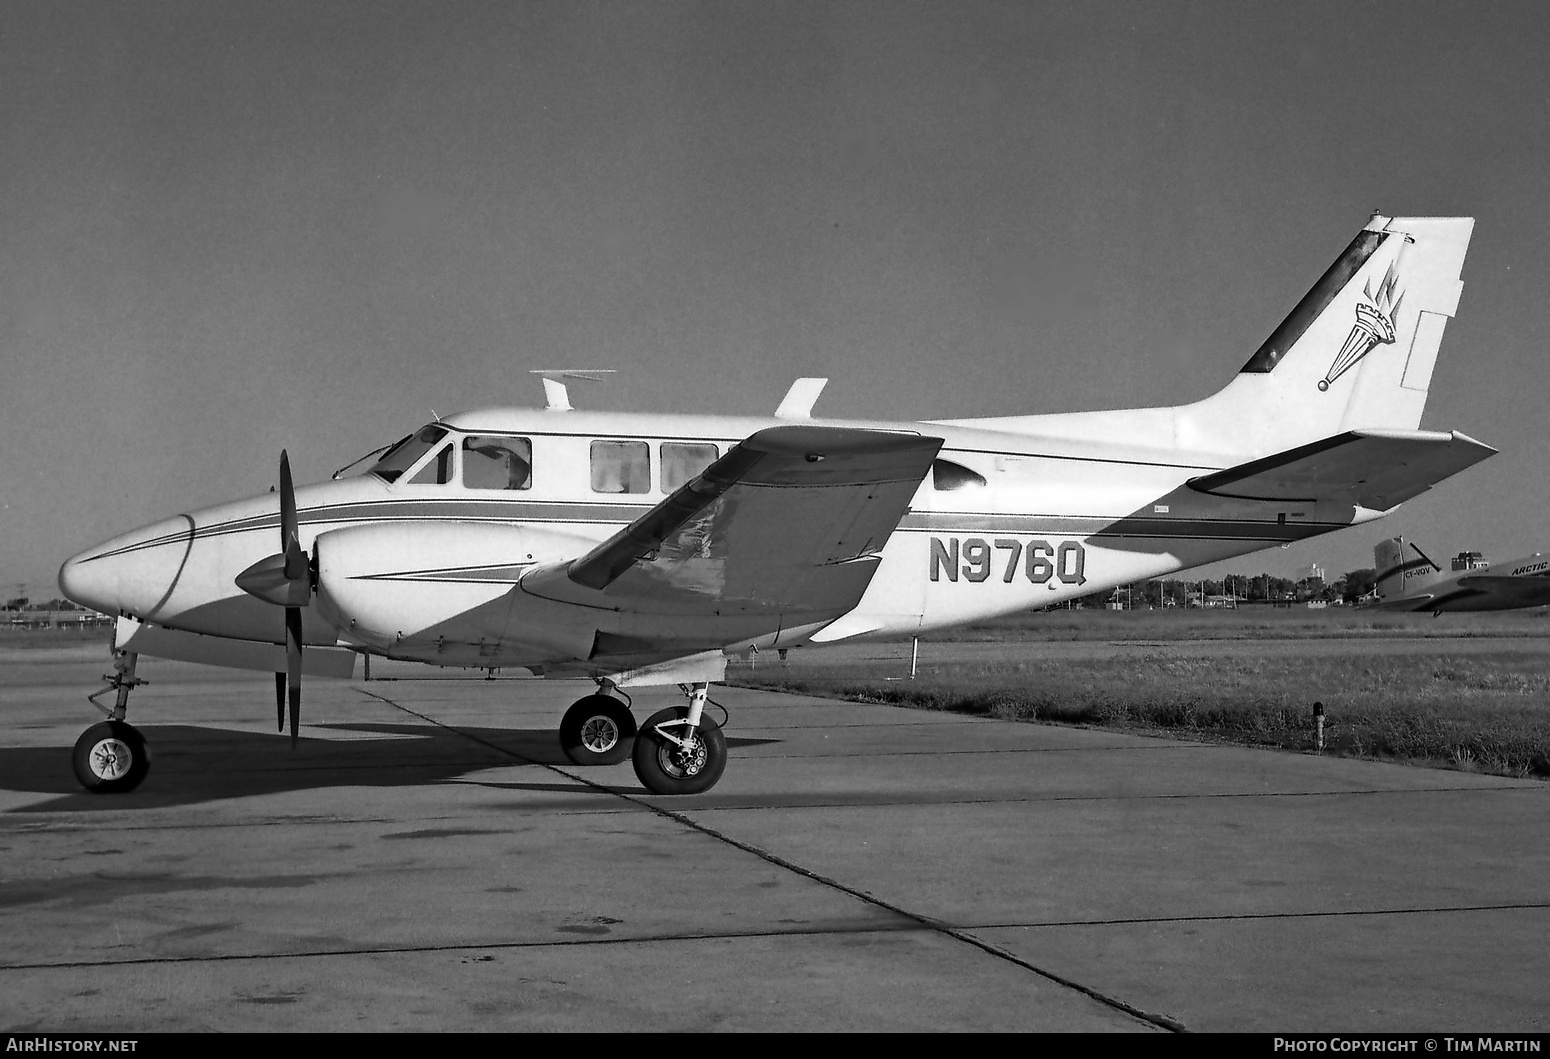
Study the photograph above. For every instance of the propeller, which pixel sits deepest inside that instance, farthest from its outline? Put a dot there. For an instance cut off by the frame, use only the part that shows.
(1423, 555)
(285, 580)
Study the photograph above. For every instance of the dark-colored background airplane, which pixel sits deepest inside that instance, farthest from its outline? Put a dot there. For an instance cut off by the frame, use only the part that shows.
(1418, 583)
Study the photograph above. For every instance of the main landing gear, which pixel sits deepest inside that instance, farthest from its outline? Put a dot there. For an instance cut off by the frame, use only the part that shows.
(677, 751)
(597, 730)
(112, 757)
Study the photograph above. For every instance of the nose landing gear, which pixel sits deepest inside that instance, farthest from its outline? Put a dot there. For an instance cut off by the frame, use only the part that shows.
(112, 757)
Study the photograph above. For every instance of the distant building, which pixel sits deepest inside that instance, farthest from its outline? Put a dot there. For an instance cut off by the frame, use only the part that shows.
(58, 619)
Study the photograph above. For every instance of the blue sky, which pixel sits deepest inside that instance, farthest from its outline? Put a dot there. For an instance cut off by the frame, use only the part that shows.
(232, 228)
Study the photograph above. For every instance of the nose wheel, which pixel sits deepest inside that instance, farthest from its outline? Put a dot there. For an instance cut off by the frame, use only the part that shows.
(111, 757)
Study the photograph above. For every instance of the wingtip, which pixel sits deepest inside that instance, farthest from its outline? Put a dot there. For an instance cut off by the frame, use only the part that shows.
(1491, 450)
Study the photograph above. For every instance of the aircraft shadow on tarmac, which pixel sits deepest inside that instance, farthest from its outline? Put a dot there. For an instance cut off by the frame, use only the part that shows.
(191, 764)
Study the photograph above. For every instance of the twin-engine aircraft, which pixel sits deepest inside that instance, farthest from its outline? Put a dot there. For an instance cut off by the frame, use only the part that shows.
(1472, 584)
(635, 549)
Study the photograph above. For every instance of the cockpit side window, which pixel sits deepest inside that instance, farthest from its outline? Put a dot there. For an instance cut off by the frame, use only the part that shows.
(947, 476)
(681, 461)
(437, 471)
(406, 453)
(497, 463)
(621, 467)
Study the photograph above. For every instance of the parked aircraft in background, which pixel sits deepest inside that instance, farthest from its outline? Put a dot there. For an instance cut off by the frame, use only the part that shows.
(1471, 584)
(635, 549)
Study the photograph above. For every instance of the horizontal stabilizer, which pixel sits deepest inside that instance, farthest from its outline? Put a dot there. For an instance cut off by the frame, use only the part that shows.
(1374, 469)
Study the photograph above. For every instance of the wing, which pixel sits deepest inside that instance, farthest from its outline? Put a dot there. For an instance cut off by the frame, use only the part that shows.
(1374, 469)
(783, 531)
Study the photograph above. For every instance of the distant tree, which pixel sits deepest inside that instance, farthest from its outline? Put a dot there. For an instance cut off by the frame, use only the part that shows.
(1310, 588)
(1358, 583)
(17, 603)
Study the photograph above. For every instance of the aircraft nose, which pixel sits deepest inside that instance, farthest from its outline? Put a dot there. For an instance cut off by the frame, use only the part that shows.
(134, 573)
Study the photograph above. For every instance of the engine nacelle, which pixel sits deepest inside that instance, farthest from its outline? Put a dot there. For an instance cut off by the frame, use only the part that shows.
(413, 589)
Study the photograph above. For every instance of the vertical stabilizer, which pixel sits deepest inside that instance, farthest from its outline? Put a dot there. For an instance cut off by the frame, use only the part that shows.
(1398, 577)
(1357, 352)
(1388, 558)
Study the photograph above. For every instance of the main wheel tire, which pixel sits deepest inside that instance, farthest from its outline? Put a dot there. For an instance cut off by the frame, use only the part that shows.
(597, 730)
(664, 767)
(111, 758)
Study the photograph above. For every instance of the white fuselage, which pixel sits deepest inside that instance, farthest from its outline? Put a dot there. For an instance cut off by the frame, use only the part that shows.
(1007, 522)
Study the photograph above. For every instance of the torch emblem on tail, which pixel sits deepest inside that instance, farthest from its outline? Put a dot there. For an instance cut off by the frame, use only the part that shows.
(1375, 319)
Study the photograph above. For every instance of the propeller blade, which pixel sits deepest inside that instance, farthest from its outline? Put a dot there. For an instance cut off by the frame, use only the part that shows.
(293, 666)
(287, 502)
(290, 534)
(1428, 558)
(279, 701)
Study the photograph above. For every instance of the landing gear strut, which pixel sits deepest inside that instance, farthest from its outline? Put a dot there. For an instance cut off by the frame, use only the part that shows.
(112, 757)
(679, 750)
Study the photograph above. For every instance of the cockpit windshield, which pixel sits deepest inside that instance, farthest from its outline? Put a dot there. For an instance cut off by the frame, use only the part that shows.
(404, 455)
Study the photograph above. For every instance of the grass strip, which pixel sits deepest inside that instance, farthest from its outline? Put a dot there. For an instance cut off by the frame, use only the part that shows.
(1485, 713)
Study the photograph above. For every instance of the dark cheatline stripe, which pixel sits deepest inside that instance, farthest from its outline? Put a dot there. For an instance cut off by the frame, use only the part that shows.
(1108, 527)
(507, 574)
(622, 514)
(414, 510)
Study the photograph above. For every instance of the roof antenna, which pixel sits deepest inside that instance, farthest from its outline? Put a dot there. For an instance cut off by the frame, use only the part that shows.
(555, 391)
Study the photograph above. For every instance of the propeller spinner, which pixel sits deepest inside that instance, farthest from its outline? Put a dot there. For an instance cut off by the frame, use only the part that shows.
(285, 580)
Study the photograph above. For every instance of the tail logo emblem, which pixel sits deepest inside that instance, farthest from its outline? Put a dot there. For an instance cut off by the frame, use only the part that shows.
(1374, 325)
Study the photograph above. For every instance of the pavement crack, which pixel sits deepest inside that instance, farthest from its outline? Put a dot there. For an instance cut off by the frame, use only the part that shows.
(1339, 913)
(924, 921)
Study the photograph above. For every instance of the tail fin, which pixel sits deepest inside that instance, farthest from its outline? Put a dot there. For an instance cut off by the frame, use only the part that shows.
(1388, 557)
(1393, 571)
(1357, 352)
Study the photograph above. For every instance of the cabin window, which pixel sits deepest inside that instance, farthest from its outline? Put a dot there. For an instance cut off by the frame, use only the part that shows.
(947, 476)
(621, 467)
(407, 453)
(681, 461)
(437, 471)
(497, 463)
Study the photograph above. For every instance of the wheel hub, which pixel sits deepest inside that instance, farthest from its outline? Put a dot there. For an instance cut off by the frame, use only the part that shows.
(686, 758)
(111, 759)
(599, 734)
